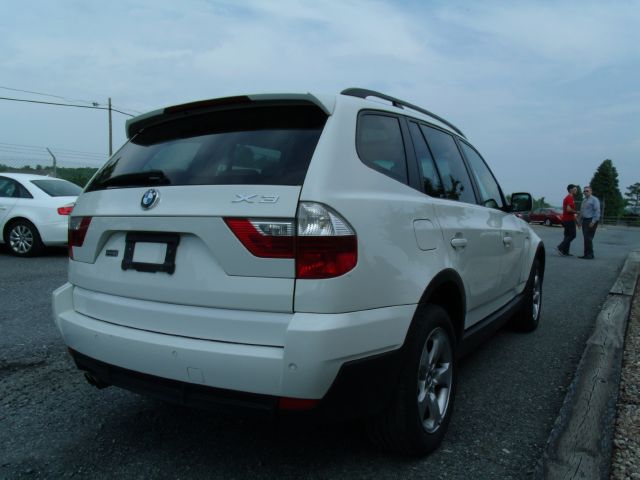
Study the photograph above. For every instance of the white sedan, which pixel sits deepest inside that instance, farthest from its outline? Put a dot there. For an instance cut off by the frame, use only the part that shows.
(34, 211)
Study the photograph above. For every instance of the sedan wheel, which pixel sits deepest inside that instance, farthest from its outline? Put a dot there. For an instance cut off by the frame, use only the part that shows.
(547, 222)
(23, 239)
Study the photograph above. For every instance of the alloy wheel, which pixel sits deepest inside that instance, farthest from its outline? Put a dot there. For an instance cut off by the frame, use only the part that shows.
(21, 239)
(435, 379)
(536, 296)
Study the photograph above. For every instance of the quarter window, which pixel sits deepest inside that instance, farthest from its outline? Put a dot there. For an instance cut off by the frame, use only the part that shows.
(380, 145)
(58, 188)
(23, 192)
(457, 184)
(489, 189)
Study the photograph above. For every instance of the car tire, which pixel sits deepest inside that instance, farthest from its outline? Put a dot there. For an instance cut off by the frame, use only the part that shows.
(418, 417)
(23, 239)
(547, 222)
(527, 318)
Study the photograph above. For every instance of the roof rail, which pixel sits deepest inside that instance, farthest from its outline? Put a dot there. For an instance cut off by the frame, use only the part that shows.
(364, 93)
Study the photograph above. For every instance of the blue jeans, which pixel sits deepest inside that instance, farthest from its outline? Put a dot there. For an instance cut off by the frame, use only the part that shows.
(588, 233)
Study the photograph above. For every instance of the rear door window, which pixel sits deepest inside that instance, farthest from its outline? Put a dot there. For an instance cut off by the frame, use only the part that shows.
(454, 175)
(430, 178)
(261, 145)
(8, 188)
(380, 145)
(489, 190)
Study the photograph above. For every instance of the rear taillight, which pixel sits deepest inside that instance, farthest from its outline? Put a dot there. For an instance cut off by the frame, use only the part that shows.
(326, 257)
(326, 244)
(78, 227)
(323, 246)
(66, 209)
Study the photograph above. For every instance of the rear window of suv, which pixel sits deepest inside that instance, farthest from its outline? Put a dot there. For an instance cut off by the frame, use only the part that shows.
(268, 145)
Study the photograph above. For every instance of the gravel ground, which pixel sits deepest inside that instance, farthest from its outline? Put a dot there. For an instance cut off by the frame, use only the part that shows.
(626, 451)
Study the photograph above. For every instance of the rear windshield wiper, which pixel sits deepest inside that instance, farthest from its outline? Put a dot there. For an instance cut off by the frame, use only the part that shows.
(137, 179)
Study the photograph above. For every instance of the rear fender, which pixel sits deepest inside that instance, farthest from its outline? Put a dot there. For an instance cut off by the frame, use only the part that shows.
(447, 290)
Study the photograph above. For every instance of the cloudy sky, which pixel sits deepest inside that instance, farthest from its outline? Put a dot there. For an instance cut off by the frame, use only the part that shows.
(545, 90)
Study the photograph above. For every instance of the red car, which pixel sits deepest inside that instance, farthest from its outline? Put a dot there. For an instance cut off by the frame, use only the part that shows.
(548, 216)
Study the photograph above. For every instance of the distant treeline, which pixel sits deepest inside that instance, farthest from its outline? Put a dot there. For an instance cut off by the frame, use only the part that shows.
(79, 176)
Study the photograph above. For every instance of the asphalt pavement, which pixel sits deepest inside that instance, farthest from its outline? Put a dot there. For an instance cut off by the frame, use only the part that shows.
(581, 442)
(511, 390)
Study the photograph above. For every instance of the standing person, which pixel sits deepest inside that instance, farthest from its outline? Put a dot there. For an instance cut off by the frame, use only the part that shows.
(589, 217)
(568, 220)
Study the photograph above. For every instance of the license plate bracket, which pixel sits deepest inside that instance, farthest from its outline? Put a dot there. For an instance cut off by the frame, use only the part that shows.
(171, 240)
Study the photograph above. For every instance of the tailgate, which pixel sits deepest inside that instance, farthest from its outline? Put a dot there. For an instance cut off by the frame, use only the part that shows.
(129, 254)
(151, 235)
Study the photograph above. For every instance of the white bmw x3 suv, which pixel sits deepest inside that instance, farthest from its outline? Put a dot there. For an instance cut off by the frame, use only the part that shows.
(297, 253)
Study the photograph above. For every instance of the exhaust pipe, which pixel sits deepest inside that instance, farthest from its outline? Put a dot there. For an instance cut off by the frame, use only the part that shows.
(95, 381)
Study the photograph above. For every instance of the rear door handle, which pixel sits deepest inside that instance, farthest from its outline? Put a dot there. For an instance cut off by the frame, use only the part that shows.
(458, 242)
(507, 240)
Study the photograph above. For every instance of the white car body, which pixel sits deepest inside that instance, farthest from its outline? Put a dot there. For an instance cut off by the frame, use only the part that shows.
(237, 323)
(37, 207)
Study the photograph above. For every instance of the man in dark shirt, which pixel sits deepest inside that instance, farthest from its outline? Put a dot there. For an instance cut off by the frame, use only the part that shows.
(568, 220)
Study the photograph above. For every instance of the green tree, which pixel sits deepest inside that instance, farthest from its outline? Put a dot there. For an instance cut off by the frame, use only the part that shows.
(578, 196)
(540, 203)
(604, 185)
(79, 176)
(633, 197)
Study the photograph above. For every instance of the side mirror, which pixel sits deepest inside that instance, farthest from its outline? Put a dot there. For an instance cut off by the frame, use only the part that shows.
(521, 202)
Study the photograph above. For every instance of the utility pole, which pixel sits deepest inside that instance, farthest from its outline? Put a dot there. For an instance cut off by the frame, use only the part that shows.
(55, 168)
(110, 131)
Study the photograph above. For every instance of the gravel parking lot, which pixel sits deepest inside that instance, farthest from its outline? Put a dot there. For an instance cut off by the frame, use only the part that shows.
(55, 425)
(626, 443)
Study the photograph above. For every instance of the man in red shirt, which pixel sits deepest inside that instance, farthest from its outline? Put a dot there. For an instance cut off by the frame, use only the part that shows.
(568, 220)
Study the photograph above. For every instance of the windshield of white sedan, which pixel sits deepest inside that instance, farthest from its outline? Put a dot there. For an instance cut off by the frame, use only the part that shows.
(251, 146)
(58, 188)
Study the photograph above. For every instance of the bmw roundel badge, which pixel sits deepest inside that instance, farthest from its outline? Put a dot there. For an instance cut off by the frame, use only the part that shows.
(150, 199)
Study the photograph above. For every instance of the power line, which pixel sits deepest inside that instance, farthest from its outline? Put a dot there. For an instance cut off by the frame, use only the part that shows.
(25, 151)
(18, 146)
(26, 154)
(43, 152)
(91, 102)
(45, 161)
(50, 95)
(64, 105)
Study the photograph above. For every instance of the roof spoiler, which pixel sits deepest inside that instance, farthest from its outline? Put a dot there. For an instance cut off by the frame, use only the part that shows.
(135, 125)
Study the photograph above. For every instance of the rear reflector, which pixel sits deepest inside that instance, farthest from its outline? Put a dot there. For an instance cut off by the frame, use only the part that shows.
(324, 244)
(78, 227)
(287, 403)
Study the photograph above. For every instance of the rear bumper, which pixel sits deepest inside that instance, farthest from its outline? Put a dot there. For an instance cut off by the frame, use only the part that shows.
(361, 388)
(320, 351)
